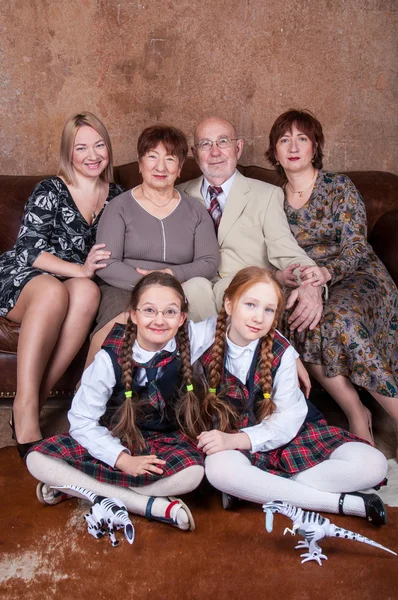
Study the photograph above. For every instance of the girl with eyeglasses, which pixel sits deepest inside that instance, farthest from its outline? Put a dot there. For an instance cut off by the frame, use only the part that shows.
(135, 418)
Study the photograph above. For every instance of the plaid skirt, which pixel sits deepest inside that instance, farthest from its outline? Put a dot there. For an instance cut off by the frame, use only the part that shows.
(313, 444)
(175, 448)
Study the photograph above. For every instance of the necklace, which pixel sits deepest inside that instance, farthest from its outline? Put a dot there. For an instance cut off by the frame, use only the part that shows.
(301, 192)
(154, 203)
(94, 212)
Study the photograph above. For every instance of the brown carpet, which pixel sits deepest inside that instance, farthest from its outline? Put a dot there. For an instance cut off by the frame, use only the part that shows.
(46, 553)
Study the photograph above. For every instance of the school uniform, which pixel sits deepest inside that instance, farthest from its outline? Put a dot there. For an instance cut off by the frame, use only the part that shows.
(296, 436)
(92, 448)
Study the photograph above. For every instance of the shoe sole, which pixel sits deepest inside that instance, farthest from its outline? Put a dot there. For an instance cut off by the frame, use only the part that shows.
(39, 493)
(185, 507)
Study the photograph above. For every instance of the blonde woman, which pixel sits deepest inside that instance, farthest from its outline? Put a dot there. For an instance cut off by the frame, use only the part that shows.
(45, 280)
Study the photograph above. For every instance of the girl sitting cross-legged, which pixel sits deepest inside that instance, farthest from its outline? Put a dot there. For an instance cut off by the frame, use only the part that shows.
(269, 443)
(125, 439)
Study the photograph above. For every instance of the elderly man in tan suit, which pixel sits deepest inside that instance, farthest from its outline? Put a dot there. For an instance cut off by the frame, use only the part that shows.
(250, 221)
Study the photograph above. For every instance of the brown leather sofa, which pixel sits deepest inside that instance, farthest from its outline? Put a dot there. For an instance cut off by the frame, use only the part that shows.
(379, 190)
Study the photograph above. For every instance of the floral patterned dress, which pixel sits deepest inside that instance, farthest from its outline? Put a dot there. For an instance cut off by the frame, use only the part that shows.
(357, 335)
(51, 223)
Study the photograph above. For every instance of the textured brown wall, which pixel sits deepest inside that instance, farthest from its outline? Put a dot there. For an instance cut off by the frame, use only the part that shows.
(137, 62)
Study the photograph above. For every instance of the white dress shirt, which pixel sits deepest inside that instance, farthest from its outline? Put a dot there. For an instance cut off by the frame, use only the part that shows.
(222, 198)
(291, 407)
(98, 382)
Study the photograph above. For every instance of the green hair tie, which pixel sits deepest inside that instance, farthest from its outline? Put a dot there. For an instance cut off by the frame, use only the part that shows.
(213, 390)
(128, 394)
(190, 388)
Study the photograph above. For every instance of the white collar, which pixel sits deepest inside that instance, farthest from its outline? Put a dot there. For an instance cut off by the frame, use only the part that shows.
(143, 356)
(235, 351)
(226, 186)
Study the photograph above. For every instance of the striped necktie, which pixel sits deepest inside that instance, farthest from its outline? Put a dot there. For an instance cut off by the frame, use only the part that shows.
(215, 209)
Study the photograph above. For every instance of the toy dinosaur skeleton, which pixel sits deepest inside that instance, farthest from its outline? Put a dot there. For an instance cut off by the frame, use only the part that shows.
(313, 527)
(109, 512)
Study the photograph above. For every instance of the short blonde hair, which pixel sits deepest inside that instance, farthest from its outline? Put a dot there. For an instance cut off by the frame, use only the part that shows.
(69, 131)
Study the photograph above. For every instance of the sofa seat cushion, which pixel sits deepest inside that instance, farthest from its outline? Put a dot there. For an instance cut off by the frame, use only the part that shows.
(9, 332)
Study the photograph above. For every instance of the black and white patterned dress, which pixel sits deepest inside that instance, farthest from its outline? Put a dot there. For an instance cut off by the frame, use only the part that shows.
(51, 223)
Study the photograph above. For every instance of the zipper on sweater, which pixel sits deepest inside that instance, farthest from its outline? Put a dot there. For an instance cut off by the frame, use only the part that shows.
(164, 241)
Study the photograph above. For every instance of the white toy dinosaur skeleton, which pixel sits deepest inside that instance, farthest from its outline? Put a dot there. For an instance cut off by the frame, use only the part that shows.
(109, 512)
(313, 527)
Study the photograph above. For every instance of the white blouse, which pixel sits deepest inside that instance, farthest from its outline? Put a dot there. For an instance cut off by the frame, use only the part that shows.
(291, 406)
(98, 382)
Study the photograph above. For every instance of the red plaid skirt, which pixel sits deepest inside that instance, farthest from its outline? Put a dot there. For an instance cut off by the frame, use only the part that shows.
(313, 444)
(175, 448)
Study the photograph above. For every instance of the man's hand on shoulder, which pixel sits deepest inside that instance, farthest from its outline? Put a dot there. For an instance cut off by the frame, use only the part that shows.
(309, 307)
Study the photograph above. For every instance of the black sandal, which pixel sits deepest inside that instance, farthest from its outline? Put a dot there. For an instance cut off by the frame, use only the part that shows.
(22, 449)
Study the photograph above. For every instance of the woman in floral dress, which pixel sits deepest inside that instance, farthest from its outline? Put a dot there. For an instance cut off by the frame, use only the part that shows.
(356, 339)
(45, 280)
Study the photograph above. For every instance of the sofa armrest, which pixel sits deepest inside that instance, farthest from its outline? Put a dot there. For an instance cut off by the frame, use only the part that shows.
(384, 240)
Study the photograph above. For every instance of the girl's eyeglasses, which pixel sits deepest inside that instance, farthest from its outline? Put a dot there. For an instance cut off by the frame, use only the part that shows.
(168, 313)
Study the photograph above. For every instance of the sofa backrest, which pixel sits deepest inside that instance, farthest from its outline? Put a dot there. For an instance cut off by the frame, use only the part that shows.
(379, 190)
(14, 192)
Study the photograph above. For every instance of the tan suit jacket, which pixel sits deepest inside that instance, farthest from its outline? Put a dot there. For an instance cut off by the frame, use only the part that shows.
(253, 229)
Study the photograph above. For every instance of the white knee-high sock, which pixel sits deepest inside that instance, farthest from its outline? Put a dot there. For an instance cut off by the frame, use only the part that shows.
(182, 482)
(351, 467)
(230, 471)
(57, 473)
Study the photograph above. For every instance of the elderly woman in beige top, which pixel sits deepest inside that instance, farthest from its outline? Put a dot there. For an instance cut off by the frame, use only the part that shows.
(153, 227)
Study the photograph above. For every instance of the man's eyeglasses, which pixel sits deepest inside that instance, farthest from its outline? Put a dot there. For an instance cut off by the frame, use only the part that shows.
(151, 313)
(222, 142)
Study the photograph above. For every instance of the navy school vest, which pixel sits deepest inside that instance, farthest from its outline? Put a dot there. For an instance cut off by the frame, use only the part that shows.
(168, 384)
(254, 391)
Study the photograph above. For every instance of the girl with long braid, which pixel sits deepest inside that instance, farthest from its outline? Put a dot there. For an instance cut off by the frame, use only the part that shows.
(135, 418)
(269, 442)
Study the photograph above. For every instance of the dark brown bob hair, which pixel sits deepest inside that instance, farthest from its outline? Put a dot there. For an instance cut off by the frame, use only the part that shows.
(173, 140)
(305, 121)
